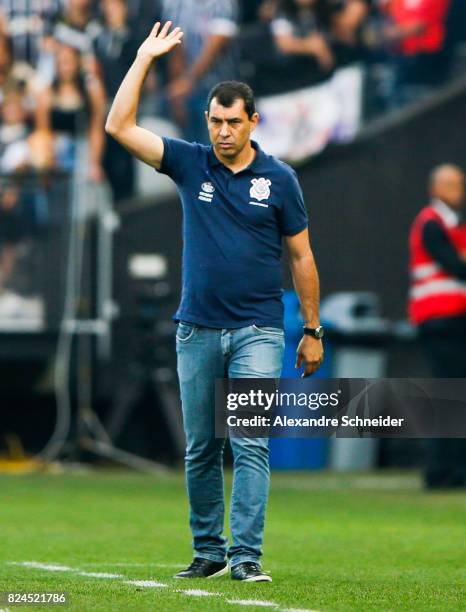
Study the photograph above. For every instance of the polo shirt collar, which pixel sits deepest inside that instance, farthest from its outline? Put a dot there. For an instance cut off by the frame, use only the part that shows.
(258, 166)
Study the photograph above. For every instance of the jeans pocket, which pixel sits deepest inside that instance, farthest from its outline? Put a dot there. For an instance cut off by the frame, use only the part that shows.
(185, 331)
(271, 331)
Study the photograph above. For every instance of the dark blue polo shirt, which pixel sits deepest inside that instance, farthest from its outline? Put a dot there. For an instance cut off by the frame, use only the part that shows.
(232, 235)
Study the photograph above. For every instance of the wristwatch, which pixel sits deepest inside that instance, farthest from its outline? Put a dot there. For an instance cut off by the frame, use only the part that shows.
(315, 332)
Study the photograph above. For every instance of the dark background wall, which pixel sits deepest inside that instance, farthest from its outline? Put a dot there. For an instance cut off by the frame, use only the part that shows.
(362, 199)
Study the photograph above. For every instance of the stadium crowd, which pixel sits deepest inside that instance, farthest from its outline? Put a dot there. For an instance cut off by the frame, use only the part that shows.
(61, 62)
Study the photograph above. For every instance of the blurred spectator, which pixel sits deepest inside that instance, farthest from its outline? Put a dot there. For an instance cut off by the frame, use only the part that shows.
(18, 93)
(206, 57)
(115, 46)
(41, 150)
(298, 32)
(73, 106)
(11, 231)
(345, 20)
(26, 21)
(115, 49)
(418, 33)
(252, 11)
(437, 305)
(15, 75)
(76, 25)
(14, 131)
(23, 215)
(142, 14)
(249, 11)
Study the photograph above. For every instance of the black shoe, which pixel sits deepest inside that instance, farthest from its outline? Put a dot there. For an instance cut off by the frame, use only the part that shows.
(204, 568)
(248, 571)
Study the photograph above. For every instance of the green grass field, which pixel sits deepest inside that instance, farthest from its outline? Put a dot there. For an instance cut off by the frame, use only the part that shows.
(333, 542)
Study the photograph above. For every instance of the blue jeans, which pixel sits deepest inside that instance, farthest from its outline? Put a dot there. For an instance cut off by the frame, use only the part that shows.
(205, 354)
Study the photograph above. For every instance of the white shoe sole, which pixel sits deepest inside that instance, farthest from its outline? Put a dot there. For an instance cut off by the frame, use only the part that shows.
(258, 579)
(222, 572)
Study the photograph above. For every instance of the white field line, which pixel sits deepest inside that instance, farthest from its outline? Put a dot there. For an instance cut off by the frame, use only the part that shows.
(356, 482)
(147, 584)
(198, 593)
(49, 567)
(155, 564)
(55, 567)
(297, 610)
(99, 575)
(253, 602)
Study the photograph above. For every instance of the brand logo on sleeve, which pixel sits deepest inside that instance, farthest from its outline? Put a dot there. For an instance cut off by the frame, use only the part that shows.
(206, 193)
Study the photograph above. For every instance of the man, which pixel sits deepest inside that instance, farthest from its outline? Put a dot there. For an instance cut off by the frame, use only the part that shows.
(238, 202)
(438, 304)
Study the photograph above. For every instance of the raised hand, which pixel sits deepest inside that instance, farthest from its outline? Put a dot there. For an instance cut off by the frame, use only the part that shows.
(160, 41)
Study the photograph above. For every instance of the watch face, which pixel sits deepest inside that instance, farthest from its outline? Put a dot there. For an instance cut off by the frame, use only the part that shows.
(319, 332)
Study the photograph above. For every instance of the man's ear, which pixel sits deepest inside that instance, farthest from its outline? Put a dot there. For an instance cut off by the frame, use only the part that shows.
(253, 122)
(206, 115)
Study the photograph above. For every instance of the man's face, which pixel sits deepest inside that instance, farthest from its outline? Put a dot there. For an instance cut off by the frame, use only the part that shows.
(79, 5)
(229, 128)
(115, 11)
(13, 109)
(68, 63)
(449, 187)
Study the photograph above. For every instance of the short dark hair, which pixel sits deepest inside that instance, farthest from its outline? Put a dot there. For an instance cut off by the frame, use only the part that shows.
(227, 92)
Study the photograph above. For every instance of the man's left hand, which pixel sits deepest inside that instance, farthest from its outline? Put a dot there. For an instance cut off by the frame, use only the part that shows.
(310, 353)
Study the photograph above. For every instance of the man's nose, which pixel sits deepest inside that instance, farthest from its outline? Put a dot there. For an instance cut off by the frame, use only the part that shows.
(224, 129)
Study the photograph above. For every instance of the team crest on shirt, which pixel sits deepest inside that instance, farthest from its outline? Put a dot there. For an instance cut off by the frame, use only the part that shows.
(260, 189)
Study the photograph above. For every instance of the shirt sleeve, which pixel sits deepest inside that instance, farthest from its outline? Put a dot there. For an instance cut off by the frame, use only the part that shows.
(282, 27)
(224, 20)
(440, 248)
(178, 155)
(293, 215)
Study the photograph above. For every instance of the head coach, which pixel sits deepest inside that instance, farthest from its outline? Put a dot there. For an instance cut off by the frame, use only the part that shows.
(238, 203)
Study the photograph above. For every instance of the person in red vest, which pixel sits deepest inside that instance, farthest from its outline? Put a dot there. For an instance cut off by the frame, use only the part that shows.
(437, 304)
(419, 34)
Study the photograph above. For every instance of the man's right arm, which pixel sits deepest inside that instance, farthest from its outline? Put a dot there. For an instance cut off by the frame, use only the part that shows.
(121, 121)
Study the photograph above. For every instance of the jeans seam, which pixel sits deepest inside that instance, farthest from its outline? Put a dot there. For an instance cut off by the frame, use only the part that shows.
(244, 559)
(209, 557)
(188, 337)
(266, 332)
